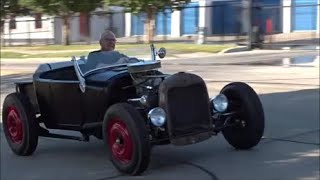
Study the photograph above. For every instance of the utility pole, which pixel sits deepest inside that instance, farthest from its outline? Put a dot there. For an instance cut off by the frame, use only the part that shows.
(247, 5)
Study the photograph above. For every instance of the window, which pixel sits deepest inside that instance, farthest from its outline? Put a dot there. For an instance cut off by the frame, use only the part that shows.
(12, 22)
(38, 20)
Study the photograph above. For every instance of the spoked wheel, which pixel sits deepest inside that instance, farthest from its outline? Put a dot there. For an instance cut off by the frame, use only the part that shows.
(249, 117)
(19, 124)
(127, 140)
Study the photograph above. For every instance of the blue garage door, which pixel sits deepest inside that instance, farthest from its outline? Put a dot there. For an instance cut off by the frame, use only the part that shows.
(190, 18)
(163, 23)
(225, 18)
(265, 11)
(304, 17)
(137, 25)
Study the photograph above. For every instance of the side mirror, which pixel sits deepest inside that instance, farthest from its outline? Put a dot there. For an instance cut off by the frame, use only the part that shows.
(162, 52)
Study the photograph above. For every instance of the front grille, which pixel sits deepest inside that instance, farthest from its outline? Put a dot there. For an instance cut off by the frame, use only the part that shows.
(188, 110)
(185, 98)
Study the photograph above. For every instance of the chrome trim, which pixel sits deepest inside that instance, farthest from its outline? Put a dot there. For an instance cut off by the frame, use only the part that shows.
(142, 100)
(82, 83)
(134, 100)
(153, 52)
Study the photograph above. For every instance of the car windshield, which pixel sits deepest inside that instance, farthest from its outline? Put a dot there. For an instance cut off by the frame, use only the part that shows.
(100, 60)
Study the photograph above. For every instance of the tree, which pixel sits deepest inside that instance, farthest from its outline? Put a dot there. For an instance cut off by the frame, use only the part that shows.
(12, 7)
(150, 8)
(64, 9)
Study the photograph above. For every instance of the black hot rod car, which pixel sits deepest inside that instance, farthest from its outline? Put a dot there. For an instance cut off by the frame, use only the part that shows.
(131, 106)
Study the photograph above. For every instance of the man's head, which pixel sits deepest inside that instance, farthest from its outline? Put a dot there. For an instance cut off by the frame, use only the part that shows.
(108, 41)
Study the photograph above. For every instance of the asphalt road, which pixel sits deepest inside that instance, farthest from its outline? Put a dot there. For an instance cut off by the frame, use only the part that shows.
(289, 149)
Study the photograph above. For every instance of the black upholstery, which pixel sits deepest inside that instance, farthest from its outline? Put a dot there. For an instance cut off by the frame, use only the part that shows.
(57, 71)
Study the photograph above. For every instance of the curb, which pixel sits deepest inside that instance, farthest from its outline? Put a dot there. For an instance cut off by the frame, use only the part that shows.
(301, 48)
(234, 49)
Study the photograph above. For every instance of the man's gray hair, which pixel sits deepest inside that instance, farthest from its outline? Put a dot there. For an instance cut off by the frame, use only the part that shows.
(106, 33)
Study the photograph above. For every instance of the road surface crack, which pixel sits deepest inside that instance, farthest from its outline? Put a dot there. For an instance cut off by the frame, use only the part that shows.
(288, 138)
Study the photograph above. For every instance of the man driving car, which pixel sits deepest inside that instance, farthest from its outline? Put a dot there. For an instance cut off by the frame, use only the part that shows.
(106, 55)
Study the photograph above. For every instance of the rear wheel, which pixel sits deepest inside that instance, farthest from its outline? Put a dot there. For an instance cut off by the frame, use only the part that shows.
(126, 136)
(19, 124)
(250, 116)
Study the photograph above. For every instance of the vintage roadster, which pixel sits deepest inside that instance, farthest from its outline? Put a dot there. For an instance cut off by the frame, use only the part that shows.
(131, 106)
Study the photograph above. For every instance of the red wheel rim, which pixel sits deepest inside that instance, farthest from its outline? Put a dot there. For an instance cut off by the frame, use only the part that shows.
(120, 141)
(14, 125)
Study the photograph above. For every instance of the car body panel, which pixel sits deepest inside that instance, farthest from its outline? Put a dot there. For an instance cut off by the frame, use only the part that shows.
(64, 106)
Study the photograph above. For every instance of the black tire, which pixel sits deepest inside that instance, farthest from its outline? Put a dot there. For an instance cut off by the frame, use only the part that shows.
(18, 115)
(249, 110)
(133, 123)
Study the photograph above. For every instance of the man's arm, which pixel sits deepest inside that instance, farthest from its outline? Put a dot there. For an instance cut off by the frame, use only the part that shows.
(126, 59)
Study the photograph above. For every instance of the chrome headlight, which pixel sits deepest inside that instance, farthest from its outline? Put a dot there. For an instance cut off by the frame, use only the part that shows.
(157, 116)
(220, 103)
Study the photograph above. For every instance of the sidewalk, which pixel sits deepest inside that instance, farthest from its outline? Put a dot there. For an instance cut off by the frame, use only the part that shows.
(145, 56)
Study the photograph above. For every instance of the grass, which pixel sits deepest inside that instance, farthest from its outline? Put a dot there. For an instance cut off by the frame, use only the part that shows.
(189, 48)
(128, 49)
(43, 55)
(53, 47)
(12, 55)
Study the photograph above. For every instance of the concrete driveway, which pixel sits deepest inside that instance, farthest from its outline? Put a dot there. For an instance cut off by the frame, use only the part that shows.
(289, 149)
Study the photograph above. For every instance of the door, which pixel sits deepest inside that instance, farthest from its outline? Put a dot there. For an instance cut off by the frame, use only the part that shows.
(163, 23)
(267, 15)
(225, 18)
(190, 18)
(67, 103)
(137, 24)
(304, 14)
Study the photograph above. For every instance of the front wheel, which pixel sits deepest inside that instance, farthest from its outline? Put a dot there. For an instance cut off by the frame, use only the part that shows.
(127, 140)
(249, 115)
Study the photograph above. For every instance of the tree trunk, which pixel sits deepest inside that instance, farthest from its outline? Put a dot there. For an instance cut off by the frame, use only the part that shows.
(88, 28)
(66, 28)
(149, 26)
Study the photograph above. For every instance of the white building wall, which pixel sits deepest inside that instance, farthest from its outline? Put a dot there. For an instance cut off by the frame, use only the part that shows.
(128, 24)
(25, 28)
(74, 29)
(286, 16)
(176, 24)
(98, 24)
(58, 31)
(202, 13)
(119, 24)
